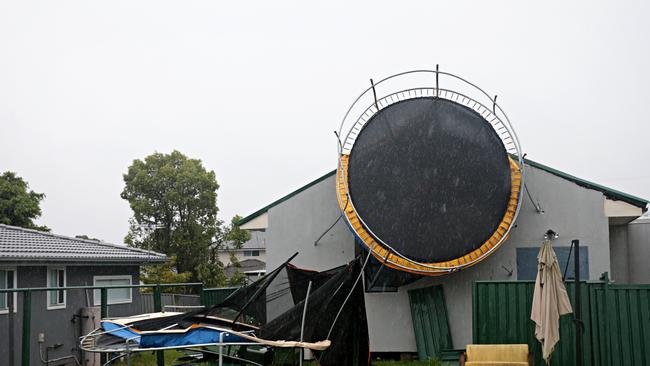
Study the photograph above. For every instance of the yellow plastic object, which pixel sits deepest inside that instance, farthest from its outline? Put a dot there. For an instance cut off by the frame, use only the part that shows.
(497, 354)
(389, 258)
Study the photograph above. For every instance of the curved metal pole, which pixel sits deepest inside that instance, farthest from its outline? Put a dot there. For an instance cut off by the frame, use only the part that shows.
(302, 324)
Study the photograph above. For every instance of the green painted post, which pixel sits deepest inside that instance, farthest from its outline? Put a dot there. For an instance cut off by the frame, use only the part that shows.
(27, 319)
(103, 315)
(608, 335)
(104, 303)
(157, 307)
(12, 333)
(157, 299)
(475, 312)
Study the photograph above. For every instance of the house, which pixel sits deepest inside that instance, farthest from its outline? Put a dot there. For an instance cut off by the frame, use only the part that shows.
(252, 269)
(30, 258)
(251, 256)
(308, 221)
(255, 248)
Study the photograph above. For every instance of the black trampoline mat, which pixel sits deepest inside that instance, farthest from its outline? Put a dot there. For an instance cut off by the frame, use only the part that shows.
(430, 177)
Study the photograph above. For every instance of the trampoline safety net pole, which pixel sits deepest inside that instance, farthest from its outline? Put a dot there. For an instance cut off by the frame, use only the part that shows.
(302, 325)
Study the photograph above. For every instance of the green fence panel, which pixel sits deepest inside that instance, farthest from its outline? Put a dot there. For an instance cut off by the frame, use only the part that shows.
(622, 313)
(430, 323)
(213, 296)
(501, 315)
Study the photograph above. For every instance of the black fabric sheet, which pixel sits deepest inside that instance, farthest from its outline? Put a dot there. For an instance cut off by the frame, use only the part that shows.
(350, 341)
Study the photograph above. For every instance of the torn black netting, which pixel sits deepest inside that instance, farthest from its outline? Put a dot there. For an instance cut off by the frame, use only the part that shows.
(349, 335)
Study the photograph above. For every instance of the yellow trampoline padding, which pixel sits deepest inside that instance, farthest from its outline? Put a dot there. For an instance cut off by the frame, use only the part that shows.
(393, 260)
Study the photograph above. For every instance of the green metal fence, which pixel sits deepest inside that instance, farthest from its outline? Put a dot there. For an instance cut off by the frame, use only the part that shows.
(213, 296)
(622, 315)
(616, 321)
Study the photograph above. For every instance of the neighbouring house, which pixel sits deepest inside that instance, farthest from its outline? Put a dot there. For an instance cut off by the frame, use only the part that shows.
(630, 251)
(251, 256)
(308, 221)
(30, 258)
(252, 269)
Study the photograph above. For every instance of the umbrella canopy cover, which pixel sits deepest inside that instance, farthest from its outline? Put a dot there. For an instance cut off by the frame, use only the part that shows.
(550, 300)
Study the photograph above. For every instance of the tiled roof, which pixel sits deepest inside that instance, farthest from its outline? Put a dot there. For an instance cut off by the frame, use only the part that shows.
(257, 241)
(26, 245)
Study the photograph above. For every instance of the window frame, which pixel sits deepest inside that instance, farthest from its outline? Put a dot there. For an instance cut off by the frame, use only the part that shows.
(251, 252)
(97, 301)
(57, 306)
(15, 285)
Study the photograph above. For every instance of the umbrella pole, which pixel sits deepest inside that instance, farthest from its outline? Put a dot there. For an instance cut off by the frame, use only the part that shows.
(576, 307)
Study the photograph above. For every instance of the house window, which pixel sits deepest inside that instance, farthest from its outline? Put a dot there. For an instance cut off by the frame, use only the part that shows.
(56, 278)
(251, 253)
(115, 295)
(7, 281)
(527, 262)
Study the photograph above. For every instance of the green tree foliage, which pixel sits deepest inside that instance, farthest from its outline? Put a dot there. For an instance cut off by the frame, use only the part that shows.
(210, 273)
(165, 273)
(19, 206)
(228, 237)
(235, 235)
(238, 278)
(174, 203)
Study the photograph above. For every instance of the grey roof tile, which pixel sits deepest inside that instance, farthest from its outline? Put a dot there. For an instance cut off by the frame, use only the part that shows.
(20, 244)
(257, 241)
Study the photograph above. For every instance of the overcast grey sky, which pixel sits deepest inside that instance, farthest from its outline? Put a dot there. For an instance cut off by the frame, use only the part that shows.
(255, 89)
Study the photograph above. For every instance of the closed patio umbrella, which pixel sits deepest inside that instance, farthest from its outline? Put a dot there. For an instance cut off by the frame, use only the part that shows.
(550, 300)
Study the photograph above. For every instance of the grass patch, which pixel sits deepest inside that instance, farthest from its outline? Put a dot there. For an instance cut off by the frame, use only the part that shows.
(149, 358)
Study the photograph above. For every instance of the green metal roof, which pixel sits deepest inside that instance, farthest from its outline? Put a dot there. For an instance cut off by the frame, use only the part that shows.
(608, 192)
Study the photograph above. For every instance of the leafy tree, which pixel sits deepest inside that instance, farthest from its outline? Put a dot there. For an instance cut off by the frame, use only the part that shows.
(211, 274)
(19, 206)
(174, 203)
(165, 273)
(235, 235)
(238, 278)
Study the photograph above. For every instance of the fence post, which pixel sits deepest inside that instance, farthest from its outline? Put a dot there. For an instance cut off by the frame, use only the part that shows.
(608, 346)
(104, 303)
(577, 302)
(157, 307)
(201, 301)
(27, 319)
(157, 299)
(475, 329)
(103, 314)
(12, 332)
